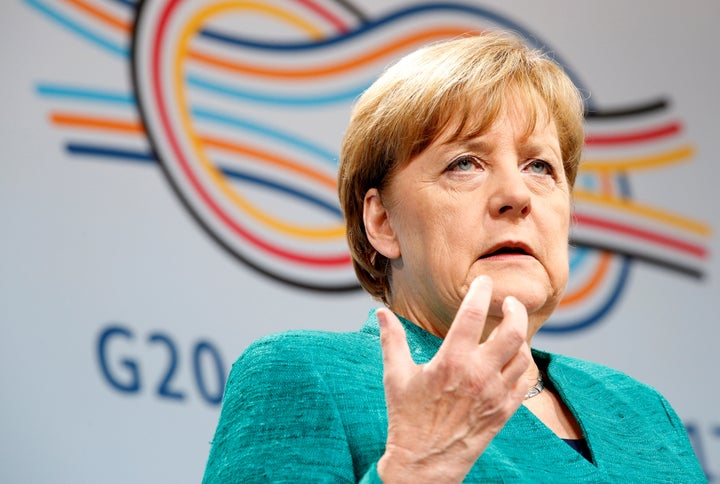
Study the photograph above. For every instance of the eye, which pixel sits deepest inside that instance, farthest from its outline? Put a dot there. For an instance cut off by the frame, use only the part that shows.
(464, 163)
(539, 167)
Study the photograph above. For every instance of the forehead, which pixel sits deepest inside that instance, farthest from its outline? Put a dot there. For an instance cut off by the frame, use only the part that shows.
(528, 118)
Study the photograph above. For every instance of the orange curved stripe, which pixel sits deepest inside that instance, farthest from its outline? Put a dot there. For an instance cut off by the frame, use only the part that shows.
(270, 158)
(94, 122)
(606, 185)
(304, 73)
(585, 290)
(91, 122)
(100, 15)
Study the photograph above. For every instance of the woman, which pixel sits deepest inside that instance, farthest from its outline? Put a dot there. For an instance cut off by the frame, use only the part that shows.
(455, 177)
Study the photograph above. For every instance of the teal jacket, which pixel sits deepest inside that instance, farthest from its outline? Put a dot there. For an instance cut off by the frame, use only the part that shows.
(307, 406)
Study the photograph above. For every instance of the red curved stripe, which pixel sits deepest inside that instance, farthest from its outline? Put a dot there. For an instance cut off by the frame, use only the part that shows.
(634, 137)
(671, 242)
(326, 14)
(335, 260)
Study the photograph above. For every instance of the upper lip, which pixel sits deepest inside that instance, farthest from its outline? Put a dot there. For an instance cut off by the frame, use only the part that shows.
(508, 247)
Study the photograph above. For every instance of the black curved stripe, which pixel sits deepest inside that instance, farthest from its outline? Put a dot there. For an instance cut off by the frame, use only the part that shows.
(685, 270)
(194, 214)
(649, 107)
(353, 10)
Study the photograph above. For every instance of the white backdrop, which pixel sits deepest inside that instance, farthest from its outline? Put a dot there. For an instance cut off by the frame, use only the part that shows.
(120, 315)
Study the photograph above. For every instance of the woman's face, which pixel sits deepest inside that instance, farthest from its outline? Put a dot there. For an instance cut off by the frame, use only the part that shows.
(497, 204)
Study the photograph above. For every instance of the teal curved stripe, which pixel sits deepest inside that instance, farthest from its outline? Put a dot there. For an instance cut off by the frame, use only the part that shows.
(225, 90)
(85, 94)
(587, 180)
(267, 132)
(78, 29)
(577, 254)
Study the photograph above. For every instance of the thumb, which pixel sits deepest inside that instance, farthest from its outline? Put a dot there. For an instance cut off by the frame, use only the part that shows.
(397, 360)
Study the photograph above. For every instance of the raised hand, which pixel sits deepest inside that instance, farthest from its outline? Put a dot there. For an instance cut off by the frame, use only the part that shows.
(443, 414)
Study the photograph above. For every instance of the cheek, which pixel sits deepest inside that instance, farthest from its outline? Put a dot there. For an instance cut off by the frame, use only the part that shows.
(414, 227)
(563, 268)
(426, 215)
(556, 234)
(557, 264)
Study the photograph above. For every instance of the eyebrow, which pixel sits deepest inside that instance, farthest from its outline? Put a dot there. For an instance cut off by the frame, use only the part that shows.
(482, 146)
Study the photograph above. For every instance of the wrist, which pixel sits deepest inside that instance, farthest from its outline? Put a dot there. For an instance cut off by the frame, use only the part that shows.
(399, 466)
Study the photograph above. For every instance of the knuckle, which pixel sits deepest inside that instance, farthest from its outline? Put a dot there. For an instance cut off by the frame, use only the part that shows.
(494, 400)
(474, 312)
(524, 357)
(515, 336)
(441, 367)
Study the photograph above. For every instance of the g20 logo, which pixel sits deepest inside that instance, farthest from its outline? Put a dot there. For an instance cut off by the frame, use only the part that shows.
(120, 355)
(243, 104)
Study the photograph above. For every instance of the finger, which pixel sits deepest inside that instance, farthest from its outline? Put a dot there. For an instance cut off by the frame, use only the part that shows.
(510, 334)
(395, 351)
(467, 327)
(515, 369)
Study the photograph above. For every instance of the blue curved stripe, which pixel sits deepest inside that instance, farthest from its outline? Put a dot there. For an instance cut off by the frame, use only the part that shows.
(627, 261)
(623, 185)
(369, 27)
(266, 131)
(127, 3)
(275, 99)
(78, 29)
(149, 157)
(115, 153)
(282, 188)
(506, 23)
(604, 309)
(83, 94)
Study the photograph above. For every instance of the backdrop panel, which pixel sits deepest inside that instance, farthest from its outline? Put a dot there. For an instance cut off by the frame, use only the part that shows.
(167, 196)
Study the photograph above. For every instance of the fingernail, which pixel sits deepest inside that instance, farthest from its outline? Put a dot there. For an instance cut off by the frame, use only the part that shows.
(483, 280)
(510, 303)
(382, 319)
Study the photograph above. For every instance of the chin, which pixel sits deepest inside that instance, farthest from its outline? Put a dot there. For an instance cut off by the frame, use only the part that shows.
(536, 296)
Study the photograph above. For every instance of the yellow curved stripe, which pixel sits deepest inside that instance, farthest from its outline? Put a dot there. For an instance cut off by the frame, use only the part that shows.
(645, 211)
(640, 163)
(190, 30)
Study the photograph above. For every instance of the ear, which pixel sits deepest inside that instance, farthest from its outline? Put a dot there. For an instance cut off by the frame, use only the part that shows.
(377, 225)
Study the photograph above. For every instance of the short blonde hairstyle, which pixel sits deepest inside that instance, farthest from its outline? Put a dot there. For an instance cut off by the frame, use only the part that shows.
(462, 82)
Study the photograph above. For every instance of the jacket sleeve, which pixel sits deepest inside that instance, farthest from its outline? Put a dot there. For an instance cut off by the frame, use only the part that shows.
(681, 446)
(279, 422)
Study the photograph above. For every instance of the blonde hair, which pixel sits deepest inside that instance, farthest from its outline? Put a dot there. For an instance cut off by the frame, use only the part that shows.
(462, 82)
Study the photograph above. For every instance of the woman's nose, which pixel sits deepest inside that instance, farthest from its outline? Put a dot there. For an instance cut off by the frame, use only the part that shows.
(510, 195)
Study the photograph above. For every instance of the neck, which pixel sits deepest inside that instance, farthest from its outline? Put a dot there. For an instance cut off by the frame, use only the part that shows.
(439, 327)
(530, 376)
